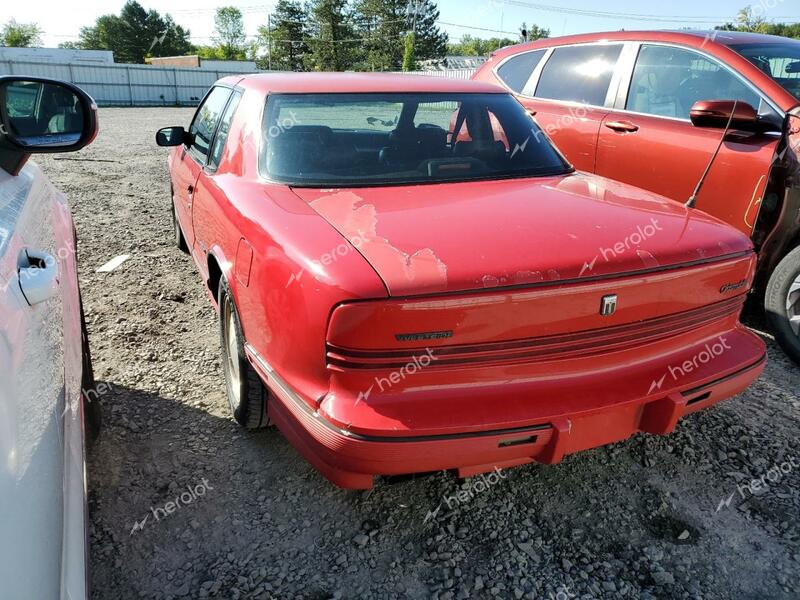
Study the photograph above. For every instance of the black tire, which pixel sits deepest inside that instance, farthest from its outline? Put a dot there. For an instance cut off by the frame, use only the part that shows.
(247, 394)
(92, 413)
(180, 241)
(775, 304)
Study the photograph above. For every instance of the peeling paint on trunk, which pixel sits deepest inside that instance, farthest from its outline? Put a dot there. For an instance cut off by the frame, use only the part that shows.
(359, 224)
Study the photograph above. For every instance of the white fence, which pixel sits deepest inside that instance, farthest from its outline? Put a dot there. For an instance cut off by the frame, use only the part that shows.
(126, 85)
(144, 85)
(452, 73)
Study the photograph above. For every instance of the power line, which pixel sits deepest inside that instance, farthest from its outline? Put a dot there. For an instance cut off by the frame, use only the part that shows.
(624, 16)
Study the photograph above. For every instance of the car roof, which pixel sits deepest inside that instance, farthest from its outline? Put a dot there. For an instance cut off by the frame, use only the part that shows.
(338, 83)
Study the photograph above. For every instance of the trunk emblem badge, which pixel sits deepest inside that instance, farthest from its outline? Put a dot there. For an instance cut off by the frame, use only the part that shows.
(608, 306)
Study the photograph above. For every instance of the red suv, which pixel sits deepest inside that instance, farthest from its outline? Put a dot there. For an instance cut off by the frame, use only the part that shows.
(649, 109)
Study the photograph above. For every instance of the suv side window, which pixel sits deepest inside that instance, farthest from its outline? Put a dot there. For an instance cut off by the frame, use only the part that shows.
(223, 131)
(516, 71)
(579, 73)
(668, 81)
(205, 122)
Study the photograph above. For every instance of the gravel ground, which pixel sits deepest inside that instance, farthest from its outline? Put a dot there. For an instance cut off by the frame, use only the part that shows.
(648, 518)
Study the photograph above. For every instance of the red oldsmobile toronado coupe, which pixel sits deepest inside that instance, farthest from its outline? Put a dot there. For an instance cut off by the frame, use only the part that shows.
(410, 277)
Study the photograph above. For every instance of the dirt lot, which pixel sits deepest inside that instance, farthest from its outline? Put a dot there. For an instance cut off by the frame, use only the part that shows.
(666, 517)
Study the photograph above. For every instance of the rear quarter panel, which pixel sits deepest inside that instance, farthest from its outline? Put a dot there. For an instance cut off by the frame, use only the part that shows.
(291, 287)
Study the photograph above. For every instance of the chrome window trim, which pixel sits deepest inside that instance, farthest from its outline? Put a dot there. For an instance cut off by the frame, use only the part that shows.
(627, 75)
(533, 81)
(625, 68)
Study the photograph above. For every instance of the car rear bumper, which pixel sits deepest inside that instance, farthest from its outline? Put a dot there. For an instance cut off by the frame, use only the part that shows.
(585, 416)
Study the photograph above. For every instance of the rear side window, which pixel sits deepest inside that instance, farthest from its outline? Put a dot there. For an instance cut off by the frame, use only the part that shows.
(668, 81)
(206, 121)
(579, 74)
(223, 131)
(516, 71)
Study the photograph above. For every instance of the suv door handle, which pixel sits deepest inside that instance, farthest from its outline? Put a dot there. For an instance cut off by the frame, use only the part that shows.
(190, 189)
(38, 276)
(622, 126)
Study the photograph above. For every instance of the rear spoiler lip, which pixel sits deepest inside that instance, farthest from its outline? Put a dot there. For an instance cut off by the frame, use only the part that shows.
(577, 280)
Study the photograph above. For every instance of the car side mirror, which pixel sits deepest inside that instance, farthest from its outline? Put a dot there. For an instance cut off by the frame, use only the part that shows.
(172, 136)
(39, 115)
(717, 114)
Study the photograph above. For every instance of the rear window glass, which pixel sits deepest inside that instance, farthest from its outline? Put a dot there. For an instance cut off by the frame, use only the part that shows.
(516, 71)
(579, 74)
(327, 140)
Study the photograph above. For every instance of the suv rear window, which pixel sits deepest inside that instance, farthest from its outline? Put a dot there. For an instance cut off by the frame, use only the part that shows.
(579, 74)
(350, 140)
(517, 70)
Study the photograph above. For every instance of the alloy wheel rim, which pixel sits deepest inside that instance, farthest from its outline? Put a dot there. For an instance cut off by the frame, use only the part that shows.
(793, 305)
(232, 352)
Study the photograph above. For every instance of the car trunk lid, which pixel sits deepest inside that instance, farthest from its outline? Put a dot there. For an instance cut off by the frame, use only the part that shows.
(460, 237)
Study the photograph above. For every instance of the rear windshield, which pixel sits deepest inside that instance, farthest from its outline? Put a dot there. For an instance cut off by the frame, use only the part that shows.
(779, 60)
(350, 140)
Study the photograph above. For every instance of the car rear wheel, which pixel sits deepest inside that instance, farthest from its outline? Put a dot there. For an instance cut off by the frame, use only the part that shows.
(180, 241)
(247, 395)
(782, 304)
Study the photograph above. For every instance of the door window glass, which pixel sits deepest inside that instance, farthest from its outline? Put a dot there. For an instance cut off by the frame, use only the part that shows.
(205, 122)
(223, 131)
(579, 74)
(668, 81)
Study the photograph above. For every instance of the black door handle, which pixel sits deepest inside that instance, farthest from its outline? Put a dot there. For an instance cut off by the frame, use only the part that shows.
(191, 189)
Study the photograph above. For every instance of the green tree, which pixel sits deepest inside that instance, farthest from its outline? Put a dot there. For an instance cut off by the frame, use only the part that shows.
(473, 46)
(286, 41)
(532, 33)
(409, 61)
(229, 30)
(430, 42)
(135, 34)
(20, 35)
(383, 25)
(332, 36)
(748, 21)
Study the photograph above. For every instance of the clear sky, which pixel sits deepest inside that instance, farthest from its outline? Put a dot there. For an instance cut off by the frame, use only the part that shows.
(62, 19)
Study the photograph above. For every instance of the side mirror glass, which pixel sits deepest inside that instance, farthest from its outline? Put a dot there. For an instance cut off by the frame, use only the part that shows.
(45, 116)
(717, 114)
(171, 136)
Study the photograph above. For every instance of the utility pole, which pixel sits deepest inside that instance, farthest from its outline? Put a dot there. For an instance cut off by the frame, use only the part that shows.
(269, 41)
